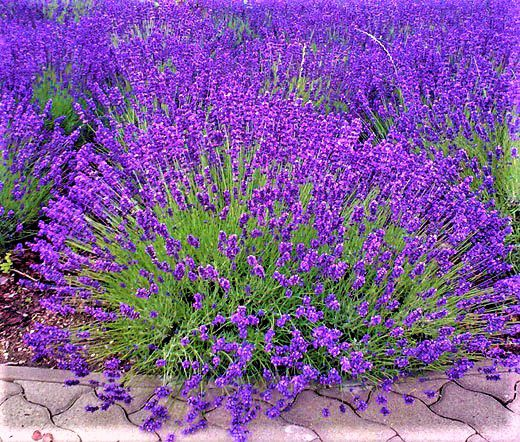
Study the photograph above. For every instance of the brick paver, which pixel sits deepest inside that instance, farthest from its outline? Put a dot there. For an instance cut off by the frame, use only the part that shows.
(8, 389)
(107, 426)
(489, 417)
(503, 389)
(471, 409)
(55, 397)
(339, 426)
(19, 418)
(416, 422)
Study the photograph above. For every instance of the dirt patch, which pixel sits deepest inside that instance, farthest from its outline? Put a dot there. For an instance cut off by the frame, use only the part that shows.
(20, 309)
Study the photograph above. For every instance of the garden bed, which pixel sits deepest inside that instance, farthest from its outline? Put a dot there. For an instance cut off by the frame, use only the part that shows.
(20, 309)
(258, 198)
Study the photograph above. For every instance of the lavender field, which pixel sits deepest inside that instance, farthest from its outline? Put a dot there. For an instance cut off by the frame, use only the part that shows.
(256, 197)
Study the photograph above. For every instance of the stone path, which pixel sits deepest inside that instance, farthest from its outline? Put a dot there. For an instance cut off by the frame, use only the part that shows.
(472, 409)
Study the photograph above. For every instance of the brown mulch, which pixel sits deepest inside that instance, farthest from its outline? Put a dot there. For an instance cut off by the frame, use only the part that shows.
(20, 309)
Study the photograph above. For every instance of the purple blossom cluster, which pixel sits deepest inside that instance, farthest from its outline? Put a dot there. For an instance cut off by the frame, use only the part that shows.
(266, 196)
(33, 158)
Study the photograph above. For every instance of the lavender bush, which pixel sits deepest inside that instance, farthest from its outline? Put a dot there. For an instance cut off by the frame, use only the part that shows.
(33, 157)
(262, 197)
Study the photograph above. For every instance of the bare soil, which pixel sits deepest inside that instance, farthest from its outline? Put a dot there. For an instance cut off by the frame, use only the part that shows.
(20, 309)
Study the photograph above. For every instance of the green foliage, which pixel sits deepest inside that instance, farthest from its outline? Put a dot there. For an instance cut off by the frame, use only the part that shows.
(21, 198)
(6, 264)
(177, 319)
(50, 88)
(60, 10)
(507, 181)
(240, 27)
(505, 169)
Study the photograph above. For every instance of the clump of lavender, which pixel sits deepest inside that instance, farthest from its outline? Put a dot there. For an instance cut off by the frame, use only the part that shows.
(32, 158)
(246, 266)
(267, 200)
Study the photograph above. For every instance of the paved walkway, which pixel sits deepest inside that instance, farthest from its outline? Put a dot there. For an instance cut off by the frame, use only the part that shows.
(469, 410)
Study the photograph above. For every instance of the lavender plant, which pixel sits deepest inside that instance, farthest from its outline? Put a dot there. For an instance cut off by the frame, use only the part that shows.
(28, 166)
(271, 195)
(265, 272)
(20, 204)
(49, 91)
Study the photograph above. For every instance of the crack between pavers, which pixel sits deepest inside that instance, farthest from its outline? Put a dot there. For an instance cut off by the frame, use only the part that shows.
(273, 405)
(71, 404)
(416, 394)
(454, 419)
(127, 417)
(476, 434)
(135, 411)
(281, 417)
(503, 403)
(470, 436)
(64, 428)
(211, 424)
(47, 381)
(51, 416)
(318, 436)
(9, 397)
(12, 395)
(517, 392)
(468, 375)
(360, 415)
(285, 419)
(441, 396)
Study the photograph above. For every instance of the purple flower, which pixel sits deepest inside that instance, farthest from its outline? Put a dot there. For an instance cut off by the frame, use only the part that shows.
(429, 393)
(163, 392)
(331, 302)
(224, 284)
(363, 309)
(380, 399)
(408, 400)
(193, 241)
(183, 172)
